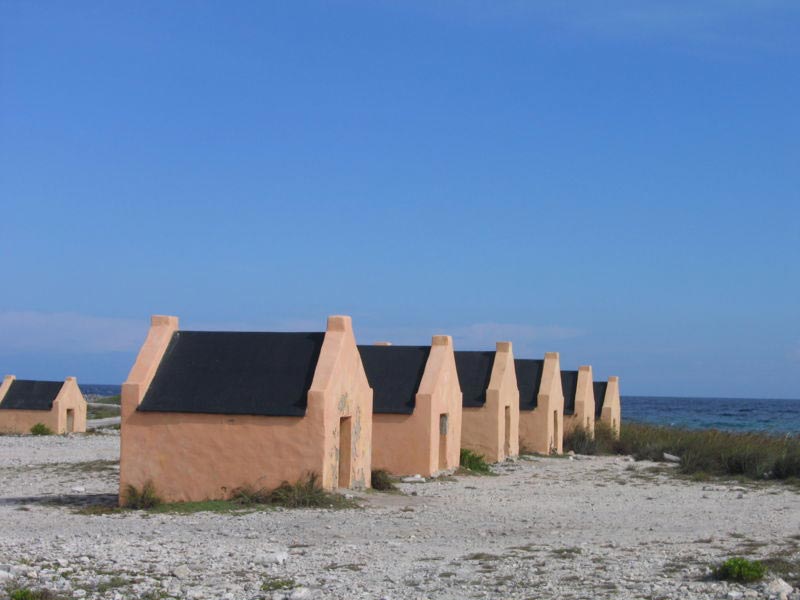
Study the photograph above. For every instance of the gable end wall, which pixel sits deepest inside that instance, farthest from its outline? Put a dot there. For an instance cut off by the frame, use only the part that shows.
(409, 444)
(69, 397)
(191, 457)
(584, 404)
(484, 428)
(541, 430)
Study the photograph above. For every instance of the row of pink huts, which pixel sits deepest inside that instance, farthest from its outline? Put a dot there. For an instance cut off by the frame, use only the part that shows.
(203, 413)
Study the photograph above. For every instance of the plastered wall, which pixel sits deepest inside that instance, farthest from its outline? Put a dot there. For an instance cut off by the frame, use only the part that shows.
(68, 398)
(414, 444)
(483, 429)
(191, 457)
(541, 430)
(340, 385)
(612, 407)
(584, 404)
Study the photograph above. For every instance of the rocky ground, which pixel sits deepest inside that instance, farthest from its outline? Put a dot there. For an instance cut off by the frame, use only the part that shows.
(591, 528)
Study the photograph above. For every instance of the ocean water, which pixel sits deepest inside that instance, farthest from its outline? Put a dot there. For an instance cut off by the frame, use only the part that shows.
(99, 389)
(732, 414)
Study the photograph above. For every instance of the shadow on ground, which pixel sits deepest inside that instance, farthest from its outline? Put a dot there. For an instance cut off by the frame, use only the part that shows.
(68, 500)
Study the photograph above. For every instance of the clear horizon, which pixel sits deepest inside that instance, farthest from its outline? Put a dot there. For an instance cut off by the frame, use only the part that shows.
(618, 184)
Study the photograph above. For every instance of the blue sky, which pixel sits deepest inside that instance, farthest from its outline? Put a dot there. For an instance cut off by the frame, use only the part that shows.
(617, 183)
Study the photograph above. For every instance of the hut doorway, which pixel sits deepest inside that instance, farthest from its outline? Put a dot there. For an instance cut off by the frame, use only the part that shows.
(556, 432)
(345, 451)
(442, 441)
(70, 420)
(507, 438)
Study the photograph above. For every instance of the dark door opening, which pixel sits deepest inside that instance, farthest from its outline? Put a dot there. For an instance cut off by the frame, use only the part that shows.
(345, 451)
(442, 441)
(556, 433)
(507, 442)
(70, 420)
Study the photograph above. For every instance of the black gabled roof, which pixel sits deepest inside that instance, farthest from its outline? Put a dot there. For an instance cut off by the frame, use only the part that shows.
(235, 373)
(474, 372)
(394, 374)
(529, 380)
(569, 385)
(599, 389)
(26, 394)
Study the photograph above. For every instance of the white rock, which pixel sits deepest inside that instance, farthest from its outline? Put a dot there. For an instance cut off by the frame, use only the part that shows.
(671, 457)
(5, 575)
(273, 558)
(779, 586)
(734, 595)
(300, 593)
(414, 479)
(174, 588)
(181, 572)
(79, 489)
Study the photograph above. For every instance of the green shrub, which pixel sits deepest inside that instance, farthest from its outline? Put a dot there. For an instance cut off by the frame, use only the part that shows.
(382, 481)
(41, 429)
(277, 583)
(474, 462)
(787, 466)
(111, 583)
(102, 412)
(108, 400)
(719, 453)
(740, 569)
(28, 594)
(305, 493)
(605, 439)
(141, 500)
(580, 441)
(602, 441)
(247, 495)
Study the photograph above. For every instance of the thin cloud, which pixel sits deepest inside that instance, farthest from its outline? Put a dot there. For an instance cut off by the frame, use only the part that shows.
(26, 331)
(761, 24)
(477, 336)
(723, 23)
(74, 333)
(483, 335)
